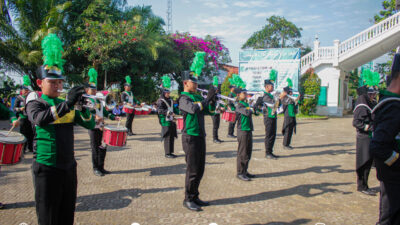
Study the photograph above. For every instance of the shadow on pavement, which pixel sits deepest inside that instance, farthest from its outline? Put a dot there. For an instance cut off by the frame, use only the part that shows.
(104, 201)
(294, 222)
(157, 171)
(302, 190)
(227, 154)
(327, 145)
(326, 152)
(114, 200)
(314, 169)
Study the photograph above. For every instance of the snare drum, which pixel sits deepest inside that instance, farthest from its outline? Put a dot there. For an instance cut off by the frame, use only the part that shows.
(179, 123)
(229, 116)
(145, 111)
(128, 109)
(138, 111)
(114, 136)
(11, 147)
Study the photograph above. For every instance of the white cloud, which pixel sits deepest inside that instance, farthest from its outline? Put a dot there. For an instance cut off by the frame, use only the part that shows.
(251, 4)
(278, 12)
(244, 13)
(216, 5)
(307, 18)
(218, 20)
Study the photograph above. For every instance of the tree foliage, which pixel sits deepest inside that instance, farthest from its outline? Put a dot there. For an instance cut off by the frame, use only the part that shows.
(310, 84)
(389, 8)
(277, 33)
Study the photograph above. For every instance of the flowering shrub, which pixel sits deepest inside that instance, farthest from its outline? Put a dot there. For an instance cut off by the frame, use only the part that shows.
(215, 51)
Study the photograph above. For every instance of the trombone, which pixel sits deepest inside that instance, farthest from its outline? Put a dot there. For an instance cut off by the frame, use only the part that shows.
(218, 95)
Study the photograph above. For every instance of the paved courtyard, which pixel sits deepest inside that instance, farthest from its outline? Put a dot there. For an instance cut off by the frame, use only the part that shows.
(314, 183)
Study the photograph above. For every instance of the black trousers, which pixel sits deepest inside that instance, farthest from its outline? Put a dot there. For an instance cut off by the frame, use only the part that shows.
(270, 134)
(129, 120)
(195, 156)
(216, 121)
(27, 130)
(231, 127)
(55, 194)
(169, 140)
(389, 206)
(245, 147)
(287, 135)
(362, 175)
(95, 142)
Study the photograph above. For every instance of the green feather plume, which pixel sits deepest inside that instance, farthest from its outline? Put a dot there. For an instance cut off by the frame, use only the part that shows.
(273, 74)
(370, 78)
(128, 80)
(93, 76)
(27, 80)
(215, 80)
(237, 81)
(166, 81)
(198, 63)
(52, 52)
(289, 82)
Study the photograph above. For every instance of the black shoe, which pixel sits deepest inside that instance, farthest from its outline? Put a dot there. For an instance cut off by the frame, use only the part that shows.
(249, 175)
(368, 192)
(201, 203)
(243, 177)
(231, 136)
(271, 156)
(98, 173)
(191, 206)
(1, 205)
(171, 156)
(217, 141)
(288, 147)
(130, 133)
(105, 171)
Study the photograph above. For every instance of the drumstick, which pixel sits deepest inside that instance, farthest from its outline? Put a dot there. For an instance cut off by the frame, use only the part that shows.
(10, 130)
(119, 121)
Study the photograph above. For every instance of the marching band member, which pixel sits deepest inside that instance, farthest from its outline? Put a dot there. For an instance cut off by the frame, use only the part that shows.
(231, 107)
(216, 117)
(270, 116)
(54, 165)
(289, 110)
(384, 147)
(244, 135)
(98, 151)
(166, 112)
(362, 121)
(129, 99)
(19, 106)
(193, 107)
(6, 113)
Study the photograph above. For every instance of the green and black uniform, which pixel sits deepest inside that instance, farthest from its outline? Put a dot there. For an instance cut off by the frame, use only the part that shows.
(193, 108)
(216, 119)
(128, 97)
(244, 136)
(231, 106)
(385, 150)
(269, 122)
(54, 165)
(25, 124)
(289, 123)
(96, 134)
(6, 113)
(165, 106)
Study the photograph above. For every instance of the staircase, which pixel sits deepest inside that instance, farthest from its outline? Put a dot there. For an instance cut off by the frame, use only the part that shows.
(363, 47)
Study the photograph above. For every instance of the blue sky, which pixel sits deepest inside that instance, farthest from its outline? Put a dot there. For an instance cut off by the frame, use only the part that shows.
(234, 21)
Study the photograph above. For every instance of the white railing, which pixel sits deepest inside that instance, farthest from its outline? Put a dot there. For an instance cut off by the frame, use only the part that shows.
(324, 53)
(370, 33)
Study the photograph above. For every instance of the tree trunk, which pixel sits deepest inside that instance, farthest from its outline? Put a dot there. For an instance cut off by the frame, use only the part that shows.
(105, 80)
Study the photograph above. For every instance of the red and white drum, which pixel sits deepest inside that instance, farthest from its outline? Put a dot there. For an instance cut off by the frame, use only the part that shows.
(145, 111)
(138, 111)
(11, 147)
(114, 136)
(128, 109)
(179, 123)
(229, 116)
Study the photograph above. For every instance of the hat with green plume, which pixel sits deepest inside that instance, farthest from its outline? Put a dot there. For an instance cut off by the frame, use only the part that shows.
(52, 67)
(92, 78)
(128, 81)
(166, 83)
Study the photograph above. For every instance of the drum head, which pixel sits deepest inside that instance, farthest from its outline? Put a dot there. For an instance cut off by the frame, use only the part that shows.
(114, 128)
(12, 138)
(128, 107)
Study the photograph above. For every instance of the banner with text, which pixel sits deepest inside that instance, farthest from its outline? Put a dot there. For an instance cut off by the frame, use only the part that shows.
(255, 66)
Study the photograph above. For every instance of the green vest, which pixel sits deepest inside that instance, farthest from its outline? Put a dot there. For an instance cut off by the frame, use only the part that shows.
(270, 113)
(245, 120)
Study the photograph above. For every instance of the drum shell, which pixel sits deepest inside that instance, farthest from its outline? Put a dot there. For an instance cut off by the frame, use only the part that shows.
(114, 137)
(138, 111)
(10, 153)
(179, 123)
(229, 116)
(128, 110)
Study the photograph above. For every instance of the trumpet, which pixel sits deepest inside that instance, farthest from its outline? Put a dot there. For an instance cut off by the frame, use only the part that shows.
(218, 95)
(109, 101)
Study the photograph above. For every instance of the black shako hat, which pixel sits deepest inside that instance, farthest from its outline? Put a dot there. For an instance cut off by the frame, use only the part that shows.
(268, 82)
